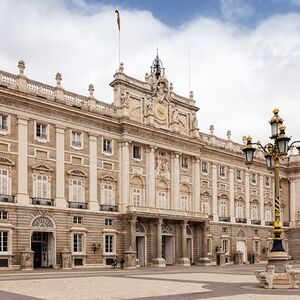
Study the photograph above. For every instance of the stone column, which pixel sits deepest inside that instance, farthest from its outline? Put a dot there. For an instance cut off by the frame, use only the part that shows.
(292, 202)
(261, 200)
(204, 260)
(247, 197)
(130, 253)
(60, 199)
(150, 186)
(231, 195)
(124, 175)
(159, 261)
(22, 196)
(196, 184)
(176, 181)
(215, 193)
(184, 260)
(93, 201)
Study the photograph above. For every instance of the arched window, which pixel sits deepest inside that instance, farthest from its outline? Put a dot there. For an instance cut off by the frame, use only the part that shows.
(185, 197)
(136, 191)
(205, 203)
(162, 198)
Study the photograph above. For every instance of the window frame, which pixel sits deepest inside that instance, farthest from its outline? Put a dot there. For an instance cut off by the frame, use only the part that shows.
(78, 220)
(7, 130)
(38, 138)
(134, 146)
(82, 235)
(4, 215)
(253, 175)
(74, 132)
(8, 180)
(113, 246)
(226, 241)
(221, 175)
(71, 189)
(239, 179)
(105, 152)
(207, 168)
(136, 191)
(184, 162)
(7, 233)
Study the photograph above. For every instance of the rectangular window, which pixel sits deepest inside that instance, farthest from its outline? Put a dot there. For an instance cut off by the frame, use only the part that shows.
(42, 187)
(185, 202)
(225, 246)
(224, 229)
(254, 212)
(108, 222)
(76, 139)
(256, 246)
(161, 199)
(162, 154)
(4, 182)
(108, 194)
(137, 152)
(3, 241)
(204, 167)
(109, 239)
(184, 162)
(136, 197)
(78, 243)
(267, 179)
(238, 175)
(253, 178)
(77, 190)
(41, 131)
(3, 123)
(77, 220)
(3, 215)
(107, 146)
(222, 171)
(209, 246)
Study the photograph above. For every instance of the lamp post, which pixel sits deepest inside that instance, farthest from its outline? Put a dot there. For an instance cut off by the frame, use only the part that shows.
(274, 151)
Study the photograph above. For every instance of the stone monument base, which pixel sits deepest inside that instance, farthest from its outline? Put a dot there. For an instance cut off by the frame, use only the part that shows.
(130, 259)
(159, 262)
(278, 274)
(184, 262)
(204, 261)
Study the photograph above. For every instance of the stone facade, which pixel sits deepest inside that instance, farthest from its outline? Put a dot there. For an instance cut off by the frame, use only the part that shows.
(84, 182)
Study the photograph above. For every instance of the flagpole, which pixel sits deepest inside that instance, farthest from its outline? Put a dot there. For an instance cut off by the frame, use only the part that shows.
(189, 71)
(119, 35)
(119, 47)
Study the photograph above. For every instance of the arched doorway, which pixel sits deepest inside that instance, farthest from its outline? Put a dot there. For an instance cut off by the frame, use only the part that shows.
(241, 244)
(168, 244)
(189, 243)
(141, 244)
(42, 241)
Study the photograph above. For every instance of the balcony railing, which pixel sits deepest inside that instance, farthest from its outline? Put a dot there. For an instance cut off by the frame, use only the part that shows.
(104, 207)
(241, 220)
(80, 205)
(285, 224)
(7, 198)
(269, 223)
(224, 219)
(42, 201)
(256, 222)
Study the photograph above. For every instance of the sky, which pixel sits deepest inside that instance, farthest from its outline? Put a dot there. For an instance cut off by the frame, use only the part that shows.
(244, 54)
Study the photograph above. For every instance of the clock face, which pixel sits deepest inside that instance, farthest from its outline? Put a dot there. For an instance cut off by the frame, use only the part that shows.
(160, 112)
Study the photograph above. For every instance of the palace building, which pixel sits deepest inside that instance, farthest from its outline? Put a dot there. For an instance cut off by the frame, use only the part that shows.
(83, 182)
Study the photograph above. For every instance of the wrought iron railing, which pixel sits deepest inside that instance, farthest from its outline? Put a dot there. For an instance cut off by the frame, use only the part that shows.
(80, 205)
(224, 219)
(7, 198)
(241, 220)
(286, 224)
(42, 201)
(105, 207)
(269, 223)
(256, 222)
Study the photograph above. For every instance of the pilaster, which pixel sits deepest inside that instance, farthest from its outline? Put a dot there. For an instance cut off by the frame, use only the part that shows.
(261, 200)
(159, 261)
(231, 195)
(196, 184)
(124, 175)
(247, 197)
(184, 260)
(93, 204)
(150, 185)
(175, 181)
(215, 193)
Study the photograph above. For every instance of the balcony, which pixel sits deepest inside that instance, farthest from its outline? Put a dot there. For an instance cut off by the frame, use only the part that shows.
(165, 211)
(285, 224)
(224, 219)
(241, 220)
(256, 222)
(104, 207)
(269, 223)
(42, 201)
(7, 198)
(80, 205)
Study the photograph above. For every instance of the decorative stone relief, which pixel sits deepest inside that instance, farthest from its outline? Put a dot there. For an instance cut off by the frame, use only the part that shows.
(42, 222)
(162, 167)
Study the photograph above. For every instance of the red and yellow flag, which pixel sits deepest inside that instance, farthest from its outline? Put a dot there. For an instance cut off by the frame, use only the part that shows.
(118, 19)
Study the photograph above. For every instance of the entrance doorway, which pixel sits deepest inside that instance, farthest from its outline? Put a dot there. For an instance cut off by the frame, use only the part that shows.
(241, 247)
(189, 249)
(42, 243)
(167, 249)
(140, 250)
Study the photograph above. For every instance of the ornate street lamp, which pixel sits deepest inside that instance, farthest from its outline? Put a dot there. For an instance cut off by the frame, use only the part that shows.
(273, 153)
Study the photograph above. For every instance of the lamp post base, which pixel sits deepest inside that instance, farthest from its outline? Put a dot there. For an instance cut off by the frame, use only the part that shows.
(278, 273)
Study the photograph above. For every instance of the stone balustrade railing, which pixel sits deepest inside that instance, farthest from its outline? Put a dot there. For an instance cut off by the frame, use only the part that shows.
(174, 212)
(20, 82)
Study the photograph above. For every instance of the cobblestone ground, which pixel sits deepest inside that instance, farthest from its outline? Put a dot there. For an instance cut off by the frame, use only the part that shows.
(230, 282)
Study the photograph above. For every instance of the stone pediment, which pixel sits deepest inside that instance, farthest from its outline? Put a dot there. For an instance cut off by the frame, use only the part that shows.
(76, 172)
(42, 167)
(108, 178)
(6, 161)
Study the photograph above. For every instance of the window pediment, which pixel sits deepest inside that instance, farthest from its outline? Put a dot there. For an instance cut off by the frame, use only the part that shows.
(6, 161)
(77, 172)
(42, 167)
(108, 178)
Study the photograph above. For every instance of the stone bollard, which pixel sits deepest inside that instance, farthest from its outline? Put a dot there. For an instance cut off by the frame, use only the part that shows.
(66, 259)
(27, 257)
(238, 258)
(256, 258)
(221, 258)
(130, 259)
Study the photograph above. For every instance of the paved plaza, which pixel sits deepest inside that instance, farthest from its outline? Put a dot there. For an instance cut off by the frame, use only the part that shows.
(230, 282)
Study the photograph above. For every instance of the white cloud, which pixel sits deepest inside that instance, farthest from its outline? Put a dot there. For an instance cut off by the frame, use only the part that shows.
(238, 75)
(234, 10)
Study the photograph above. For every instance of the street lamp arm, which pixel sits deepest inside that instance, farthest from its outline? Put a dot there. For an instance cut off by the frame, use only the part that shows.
(261, 146)
(292, 145)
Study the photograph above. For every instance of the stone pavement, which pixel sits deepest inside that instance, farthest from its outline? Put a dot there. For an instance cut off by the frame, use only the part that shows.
(171, 283)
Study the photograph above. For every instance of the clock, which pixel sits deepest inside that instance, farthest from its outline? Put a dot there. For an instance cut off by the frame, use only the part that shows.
(160, 112)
